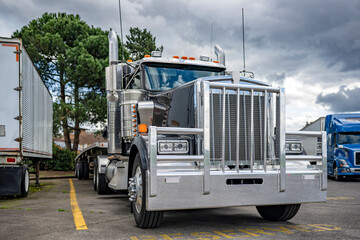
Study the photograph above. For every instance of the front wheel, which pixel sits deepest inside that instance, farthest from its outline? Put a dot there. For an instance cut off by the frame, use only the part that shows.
(336, 174)
(143, 218)
(278, 212)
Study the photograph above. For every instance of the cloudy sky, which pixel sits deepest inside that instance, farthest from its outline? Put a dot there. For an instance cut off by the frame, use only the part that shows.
(312, 48)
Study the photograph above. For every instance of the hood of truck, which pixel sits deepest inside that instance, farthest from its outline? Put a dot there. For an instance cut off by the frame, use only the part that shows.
(352, 147)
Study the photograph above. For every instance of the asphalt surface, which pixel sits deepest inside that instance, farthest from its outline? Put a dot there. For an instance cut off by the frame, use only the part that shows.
(48, 215)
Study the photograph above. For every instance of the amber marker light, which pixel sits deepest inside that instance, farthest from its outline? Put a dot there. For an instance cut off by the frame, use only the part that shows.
(184, 57)
(142, 128)
(215, 62)
(146, 56)
(177, 57)
(129, 60)
(191, 58)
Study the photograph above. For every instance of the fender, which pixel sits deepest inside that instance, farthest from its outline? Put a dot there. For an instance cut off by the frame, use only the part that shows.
(139, 145)
(102, 163)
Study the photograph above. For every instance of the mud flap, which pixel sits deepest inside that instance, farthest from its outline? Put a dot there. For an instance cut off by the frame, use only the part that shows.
(10, 180)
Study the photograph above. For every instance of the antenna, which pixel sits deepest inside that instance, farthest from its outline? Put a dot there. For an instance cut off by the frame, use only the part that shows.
(251, 74)
(243, 33)
(211, 26)
(121, 31)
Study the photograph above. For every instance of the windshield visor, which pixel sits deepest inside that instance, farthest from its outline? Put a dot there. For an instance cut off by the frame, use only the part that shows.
(159, 77)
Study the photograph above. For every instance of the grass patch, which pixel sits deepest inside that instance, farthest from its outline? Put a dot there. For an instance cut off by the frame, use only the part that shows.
(43, 187)
(2, 207)
(63, 210)
(65, 191)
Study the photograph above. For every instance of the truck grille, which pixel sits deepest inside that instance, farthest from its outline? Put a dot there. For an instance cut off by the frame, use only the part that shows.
(216, 126)
(357, 158)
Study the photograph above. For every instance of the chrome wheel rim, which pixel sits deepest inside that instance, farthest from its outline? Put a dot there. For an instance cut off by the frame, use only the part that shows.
(138, 185)
(27, 181)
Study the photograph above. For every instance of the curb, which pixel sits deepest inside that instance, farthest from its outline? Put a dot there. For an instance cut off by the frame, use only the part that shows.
(54, 177)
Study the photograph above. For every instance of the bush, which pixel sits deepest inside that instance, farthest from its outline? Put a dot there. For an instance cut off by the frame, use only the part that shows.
(63, 160)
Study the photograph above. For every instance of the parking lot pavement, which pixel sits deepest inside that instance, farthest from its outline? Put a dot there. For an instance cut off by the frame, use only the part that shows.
(48, 214)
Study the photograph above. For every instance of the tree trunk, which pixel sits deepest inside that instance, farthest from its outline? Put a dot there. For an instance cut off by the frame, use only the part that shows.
(77, 130)
(64, 121)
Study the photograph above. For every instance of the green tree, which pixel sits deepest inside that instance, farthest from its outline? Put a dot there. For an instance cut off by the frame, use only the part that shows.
(71, 58)
(141, 43)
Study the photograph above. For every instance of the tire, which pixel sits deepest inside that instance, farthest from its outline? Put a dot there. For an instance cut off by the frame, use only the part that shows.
(86, 171)
(95, 178)
(336, 174)
(143, 218)
(101, 184)
(80, 170)
(25, 182)
(278, 212)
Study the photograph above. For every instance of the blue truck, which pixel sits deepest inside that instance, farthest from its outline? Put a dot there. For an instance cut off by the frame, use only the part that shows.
(343, 143)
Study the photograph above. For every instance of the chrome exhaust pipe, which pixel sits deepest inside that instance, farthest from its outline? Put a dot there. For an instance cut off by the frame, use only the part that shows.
(220, 54)
(113, 47)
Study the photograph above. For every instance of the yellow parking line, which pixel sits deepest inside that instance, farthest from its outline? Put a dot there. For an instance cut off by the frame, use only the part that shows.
(78, 217)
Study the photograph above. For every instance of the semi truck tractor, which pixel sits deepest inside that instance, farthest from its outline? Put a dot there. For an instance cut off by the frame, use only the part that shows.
(343, 143)
(183, 134)
(25, 119)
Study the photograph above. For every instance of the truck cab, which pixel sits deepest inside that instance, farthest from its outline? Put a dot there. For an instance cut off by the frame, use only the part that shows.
(343, 132)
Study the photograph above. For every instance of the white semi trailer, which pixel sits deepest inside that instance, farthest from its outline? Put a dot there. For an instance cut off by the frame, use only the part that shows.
(26, 117)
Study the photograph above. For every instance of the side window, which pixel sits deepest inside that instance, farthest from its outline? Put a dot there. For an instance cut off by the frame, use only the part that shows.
(136, 82)
(333, 139)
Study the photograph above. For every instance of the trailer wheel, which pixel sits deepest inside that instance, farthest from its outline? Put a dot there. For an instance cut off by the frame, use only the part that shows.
(86, 171)
(95, 178)
(143, 218)
(25, 182)
(101, 184)
(80, 170)
(278, 212)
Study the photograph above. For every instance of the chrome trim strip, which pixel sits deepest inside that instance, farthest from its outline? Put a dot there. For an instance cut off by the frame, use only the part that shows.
(282, 124)
(178, 130)
(237, 130)
(243, 87)
(223, 130)
(252, 142)
(153, 161)
(324, 161)
(180, 158)
(206, 137)
(265, 128)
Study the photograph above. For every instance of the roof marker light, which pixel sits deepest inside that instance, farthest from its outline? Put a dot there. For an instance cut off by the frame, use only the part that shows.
(184, 57)
(204, 58)
(129, 60)
(215, 62)
(191, 58)
(146, 56)
(156, 54)
(177, 57)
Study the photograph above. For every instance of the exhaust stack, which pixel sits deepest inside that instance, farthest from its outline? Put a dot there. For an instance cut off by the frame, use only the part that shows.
(220, 54)
(113, 46)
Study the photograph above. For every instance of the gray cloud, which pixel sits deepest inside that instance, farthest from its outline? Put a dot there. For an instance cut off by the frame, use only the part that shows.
(344, 100)
(276, 77)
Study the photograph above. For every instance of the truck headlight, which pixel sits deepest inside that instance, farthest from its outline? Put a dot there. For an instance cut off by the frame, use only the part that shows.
(343, 163)
(287, 147)
(296, 146)
(173, 146)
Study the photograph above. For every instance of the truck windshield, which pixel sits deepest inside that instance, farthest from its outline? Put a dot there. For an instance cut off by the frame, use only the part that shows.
(160, 77)
(349, 138)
